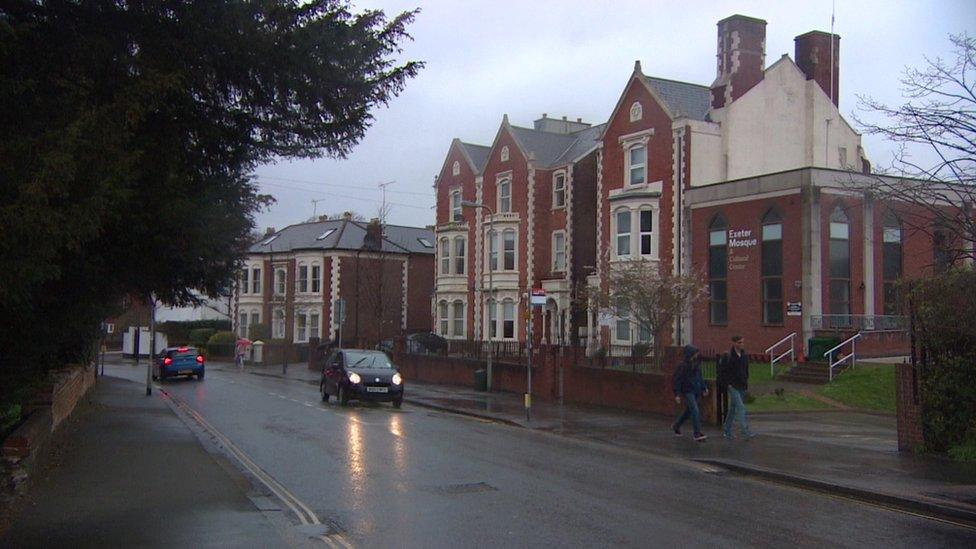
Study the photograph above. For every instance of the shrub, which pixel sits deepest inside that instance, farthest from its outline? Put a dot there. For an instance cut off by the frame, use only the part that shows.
(259, 332)
(200, 336)
(223, 337)
(178, 332)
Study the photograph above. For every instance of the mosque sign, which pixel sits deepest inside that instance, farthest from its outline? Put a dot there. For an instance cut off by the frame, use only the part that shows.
(740, 241)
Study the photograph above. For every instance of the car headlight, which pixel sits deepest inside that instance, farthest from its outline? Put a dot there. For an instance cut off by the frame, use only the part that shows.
(397, 379)
(354, 378)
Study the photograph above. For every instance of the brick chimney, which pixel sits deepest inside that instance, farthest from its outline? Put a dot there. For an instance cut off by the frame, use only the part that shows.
(374, 235)
(813, 58)
(741, 58)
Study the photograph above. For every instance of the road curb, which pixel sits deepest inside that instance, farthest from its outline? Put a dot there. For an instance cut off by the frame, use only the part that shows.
(457, 411)
(927, 508)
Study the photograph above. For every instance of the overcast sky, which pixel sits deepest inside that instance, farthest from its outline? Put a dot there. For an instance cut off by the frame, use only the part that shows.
(572, 58)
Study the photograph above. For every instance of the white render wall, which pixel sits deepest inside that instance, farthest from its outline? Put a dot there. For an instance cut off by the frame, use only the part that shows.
(780, 124)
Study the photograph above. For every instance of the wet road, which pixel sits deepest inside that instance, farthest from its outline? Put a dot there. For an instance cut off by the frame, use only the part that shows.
(418, 478)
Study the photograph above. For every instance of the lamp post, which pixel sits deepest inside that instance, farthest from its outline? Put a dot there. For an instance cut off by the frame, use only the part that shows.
(491, 287)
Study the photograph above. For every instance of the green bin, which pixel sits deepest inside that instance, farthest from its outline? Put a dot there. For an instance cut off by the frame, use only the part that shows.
(480, 380)
(820, 345)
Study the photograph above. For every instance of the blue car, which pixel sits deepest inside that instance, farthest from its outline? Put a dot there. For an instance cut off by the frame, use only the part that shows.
(178, 361)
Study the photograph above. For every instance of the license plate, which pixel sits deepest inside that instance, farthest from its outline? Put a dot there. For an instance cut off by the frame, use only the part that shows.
(377, 389)
(186, 371)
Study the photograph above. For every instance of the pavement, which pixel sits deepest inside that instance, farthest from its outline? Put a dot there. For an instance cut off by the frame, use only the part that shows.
(134, 471)
(845, 453)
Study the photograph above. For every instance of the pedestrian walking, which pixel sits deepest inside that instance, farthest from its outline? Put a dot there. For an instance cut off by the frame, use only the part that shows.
(737, 375)
(690, 386)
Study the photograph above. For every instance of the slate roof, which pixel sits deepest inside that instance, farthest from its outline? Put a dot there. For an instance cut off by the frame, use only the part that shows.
(478, 154)
(546, 146)
(585, 141)
(345, 235)
(683, 98)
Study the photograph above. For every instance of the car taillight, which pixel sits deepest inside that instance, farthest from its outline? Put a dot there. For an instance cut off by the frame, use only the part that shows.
(167, 361)
(200, 359)
(183, 349)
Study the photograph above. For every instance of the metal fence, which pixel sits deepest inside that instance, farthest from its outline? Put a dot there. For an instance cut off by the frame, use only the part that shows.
(860, 323)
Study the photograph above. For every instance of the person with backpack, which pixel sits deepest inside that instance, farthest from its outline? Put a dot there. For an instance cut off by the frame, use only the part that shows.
(736, 373)
(689, 385)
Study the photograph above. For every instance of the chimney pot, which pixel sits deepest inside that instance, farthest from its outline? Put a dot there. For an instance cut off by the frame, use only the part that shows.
(812, 51)
(741, 58)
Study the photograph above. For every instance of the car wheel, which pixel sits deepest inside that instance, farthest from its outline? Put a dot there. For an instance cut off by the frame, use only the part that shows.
(343, 396)
(200, 376)
(397, 402)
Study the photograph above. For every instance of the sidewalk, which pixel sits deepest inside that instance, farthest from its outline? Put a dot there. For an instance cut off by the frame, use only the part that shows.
(122, 448)
(845, 453)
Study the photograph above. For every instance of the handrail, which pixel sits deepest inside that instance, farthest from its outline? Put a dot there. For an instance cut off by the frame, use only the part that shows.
(773, 361)
(830, 370)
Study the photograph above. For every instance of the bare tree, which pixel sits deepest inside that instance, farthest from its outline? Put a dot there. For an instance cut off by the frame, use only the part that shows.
(650, 297)
(934, 168)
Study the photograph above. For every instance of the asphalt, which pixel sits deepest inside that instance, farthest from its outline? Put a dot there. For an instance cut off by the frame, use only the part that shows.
(254, 459)
(845, 453)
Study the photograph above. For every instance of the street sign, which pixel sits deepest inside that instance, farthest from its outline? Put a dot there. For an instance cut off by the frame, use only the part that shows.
(339, 309)
(538, 298)
(794, 308)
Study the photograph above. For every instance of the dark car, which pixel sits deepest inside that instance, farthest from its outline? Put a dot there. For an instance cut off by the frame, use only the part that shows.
(356, 374)
(178, 361)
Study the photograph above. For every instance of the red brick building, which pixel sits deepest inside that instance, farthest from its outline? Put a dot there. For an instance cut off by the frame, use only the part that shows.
(756, 181)
(292, 278)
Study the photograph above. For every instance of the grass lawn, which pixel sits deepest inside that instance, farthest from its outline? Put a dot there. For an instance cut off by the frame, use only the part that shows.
(789, 402)
(868, 386)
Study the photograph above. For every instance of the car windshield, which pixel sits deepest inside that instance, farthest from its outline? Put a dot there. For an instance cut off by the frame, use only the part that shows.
(360, 359)
(183, 351)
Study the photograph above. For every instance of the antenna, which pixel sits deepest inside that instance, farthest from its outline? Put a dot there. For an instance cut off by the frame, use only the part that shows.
(833, 10)
(383, 210)
(315, 206)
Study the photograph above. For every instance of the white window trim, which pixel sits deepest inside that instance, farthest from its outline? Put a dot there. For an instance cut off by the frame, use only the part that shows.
(501, 251)
(501, 320)
(275, 333)
(456, 168)
(636, 111)
(256, 280)
(443, 316)
(629, 168)
(453, 319)
(504, 154)
(457, 211)
(555, 268)
(655, 233)
(635, 233)
(284, 279)
(613, 231)
(498, 195)
(555, 177)
(311, 278)
(442, 257)
(298, 278)
(455, 256)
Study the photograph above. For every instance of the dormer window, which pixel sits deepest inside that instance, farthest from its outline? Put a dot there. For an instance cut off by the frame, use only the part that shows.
(456, 169)
(559, 191)
(504, 154)
(636, 111)
(636, 160)
(325, 235)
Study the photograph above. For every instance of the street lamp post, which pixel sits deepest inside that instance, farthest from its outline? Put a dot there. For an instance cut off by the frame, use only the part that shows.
(491, 287)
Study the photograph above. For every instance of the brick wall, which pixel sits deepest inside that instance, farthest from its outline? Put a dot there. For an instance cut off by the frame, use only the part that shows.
(908, 408)
(420, 284)
(72, 383)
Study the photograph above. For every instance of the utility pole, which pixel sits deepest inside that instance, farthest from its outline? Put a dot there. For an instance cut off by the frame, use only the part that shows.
(152, 343)
(528, 391)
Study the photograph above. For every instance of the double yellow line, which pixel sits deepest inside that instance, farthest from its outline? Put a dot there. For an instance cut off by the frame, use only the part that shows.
(305, 515)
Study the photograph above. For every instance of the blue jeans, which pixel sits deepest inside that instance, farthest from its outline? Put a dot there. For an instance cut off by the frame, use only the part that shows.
(737, 412)
(691, 410)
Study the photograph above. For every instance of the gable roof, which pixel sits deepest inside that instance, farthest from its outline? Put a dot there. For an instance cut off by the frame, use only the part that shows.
(477, 154)
(682, 98)
(345, 235)
(586, 140)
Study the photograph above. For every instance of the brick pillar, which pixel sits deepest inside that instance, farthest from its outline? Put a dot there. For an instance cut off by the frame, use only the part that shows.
(908, 406)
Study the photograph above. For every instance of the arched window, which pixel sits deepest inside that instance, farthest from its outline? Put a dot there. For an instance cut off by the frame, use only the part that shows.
(839, 252)
(508, 319)
(636, 112)
(442, 315)
(456, 168)
(456, 214)
(492, 250)
(504, 154)
(505, 196)
(280, 281)
(891, 261)
(509, 241)
(622, 218)
(278, 325)
(559, 190)
(301, 327)
(772, 268)
(445, 256)
(244, 282)
(492, 319)
(636, 161)
(457, 318)
(459, 255)
(256, 280)
(242, 325)
(718, 266)
(302, 278)
(316, 278)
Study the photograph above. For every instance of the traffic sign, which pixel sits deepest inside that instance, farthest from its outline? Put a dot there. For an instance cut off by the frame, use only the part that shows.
(538, 298)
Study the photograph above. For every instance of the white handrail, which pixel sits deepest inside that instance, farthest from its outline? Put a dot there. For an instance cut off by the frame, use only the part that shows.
(830, 370)
(773, 361)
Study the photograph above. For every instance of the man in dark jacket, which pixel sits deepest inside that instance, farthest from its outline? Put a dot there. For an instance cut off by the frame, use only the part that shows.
(689, 385)
(738, 379)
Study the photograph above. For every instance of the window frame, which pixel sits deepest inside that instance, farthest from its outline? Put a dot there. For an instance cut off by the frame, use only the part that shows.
(457, 211)
(832, 280)
(509, 254)
(559, 190)
(717, 225)
(890, 304)
(458, 258)
(504, 184)
(507, 305)
(445, 253)
(641, 233)
(617, 235)
(278, 326)
(280, 281)
(458, 322)
(771, 218)
(256, 280)
(631, 166)
(245, 281)
(556, 252)
(316, 278)
(443, 317)
(302, 278)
